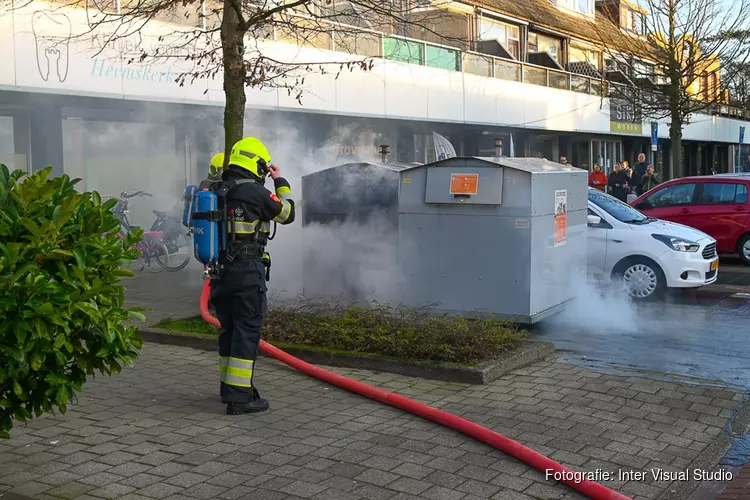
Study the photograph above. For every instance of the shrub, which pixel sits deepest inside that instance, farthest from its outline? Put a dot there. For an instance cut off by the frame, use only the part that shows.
(405, 333)
(61, 308)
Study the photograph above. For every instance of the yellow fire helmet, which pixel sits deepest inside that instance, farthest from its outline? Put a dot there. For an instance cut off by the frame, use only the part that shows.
(252, 155)
(217, 163)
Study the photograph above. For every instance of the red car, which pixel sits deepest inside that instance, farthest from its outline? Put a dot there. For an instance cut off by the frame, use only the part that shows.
(717, 205)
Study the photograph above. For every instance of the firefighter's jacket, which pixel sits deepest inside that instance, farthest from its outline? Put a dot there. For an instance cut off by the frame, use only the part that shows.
(251, 207)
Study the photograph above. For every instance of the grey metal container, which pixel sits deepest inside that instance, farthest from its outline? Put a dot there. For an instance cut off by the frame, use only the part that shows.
(352, 192)
(351, 217)
(473, 235)
(493, 251)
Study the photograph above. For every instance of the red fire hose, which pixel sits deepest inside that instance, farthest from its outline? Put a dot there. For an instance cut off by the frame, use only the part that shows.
(537, 460)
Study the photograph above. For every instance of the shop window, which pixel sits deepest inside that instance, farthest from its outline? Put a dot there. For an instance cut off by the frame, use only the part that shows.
(6, 135)
(112, 157)
(9, 152)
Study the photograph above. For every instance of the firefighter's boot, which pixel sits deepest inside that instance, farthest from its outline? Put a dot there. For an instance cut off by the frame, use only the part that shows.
(256, 405)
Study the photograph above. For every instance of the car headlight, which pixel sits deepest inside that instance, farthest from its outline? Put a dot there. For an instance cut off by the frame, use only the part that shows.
(677, 244)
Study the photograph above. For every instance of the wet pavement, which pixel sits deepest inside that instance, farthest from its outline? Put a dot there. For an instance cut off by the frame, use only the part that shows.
(697, 335)
(737, 274)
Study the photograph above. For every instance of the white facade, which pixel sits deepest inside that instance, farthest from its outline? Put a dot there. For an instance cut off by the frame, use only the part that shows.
(40, 31)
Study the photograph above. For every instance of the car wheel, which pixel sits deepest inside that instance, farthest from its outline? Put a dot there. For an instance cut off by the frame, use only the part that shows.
(743, 249)
(642, 278)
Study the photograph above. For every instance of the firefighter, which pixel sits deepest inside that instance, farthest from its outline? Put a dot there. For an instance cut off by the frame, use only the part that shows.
(239, 294)
(214, 172)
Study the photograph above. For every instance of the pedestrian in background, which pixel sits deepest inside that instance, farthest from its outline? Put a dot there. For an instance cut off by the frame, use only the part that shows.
(649, 180)
(618, 183)
(638, 173)
(597, 178)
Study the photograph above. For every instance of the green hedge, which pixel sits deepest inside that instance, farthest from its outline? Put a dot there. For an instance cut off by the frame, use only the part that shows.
(62, 317)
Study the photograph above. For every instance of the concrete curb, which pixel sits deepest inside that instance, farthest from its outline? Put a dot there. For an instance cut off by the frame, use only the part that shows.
(530, 351)
(709, 458)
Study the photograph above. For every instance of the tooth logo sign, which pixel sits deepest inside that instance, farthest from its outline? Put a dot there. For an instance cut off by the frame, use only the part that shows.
(52, 34)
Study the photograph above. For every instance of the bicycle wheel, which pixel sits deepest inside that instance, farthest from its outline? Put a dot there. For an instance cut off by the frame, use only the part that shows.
(137, 265)
(155, 255)
(179, 252)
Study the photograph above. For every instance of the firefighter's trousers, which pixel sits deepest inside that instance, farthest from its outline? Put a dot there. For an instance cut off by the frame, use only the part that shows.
(239, 298)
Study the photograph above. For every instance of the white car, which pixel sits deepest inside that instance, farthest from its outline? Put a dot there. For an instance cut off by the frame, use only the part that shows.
(647, 254)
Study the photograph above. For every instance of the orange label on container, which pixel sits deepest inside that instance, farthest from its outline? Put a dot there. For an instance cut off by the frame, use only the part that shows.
(561, 229)
(464, 183)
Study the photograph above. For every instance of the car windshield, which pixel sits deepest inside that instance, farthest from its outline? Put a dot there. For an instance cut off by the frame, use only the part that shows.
(616, 208)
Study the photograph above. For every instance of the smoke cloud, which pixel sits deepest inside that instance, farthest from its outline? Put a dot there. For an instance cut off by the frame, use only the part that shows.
(347, 260)
(596, 309)
(145, 147)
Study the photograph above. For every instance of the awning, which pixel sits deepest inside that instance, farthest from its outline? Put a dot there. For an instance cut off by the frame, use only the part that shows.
(494, 48)
(544, 59)
(584, 68)
(547, 31)
(649, 82)
(617, 76)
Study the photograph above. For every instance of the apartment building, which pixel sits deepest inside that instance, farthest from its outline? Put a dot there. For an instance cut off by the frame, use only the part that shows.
(530, 77)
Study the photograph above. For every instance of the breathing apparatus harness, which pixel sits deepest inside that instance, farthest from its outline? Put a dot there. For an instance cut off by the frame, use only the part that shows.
(210, 221)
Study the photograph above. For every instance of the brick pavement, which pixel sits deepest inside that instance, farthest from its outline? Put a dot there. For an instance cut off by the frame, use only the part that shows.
(157, 431)
(166, 293)
(739, 487)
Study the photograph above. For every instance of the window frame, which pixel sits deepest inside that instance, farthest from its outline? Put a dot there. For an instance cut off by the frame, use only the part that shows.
(692, 201)
(626, 18)
(595, 62)
(638, 22)
(509, 31)
(557, 56)
(698, 201)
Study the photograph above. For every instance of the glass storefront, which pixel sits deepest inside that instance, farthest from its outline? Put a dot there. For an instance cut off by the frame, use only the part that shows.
(13, 142)
(606, 153)
(581, 154)
(544, 146)
(112, 157)
(744, 158)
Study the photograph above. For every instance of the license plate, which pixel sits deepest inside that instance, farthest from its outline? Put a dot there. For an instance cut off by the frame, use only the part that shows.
(715, 265)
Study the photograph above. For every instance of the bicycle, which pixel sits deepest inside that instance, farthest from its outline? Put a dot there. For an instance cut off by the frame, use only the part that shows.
(176, 239)
(154, 254)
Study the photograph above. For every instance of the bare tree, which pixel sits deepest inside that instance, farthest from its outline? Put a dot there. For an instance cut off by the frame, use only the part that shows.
(673, 59)
(231, 36)
(739, 87)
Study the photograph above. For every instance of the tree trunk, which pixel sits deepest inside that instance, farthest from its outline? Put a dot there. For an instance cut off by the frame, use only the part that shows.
(676, 117)
(233, 52)
(675, 136)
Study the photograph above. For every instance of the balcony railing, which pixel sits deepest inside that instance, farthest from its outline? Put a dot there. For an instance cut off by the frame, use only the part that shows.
(354, 40)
